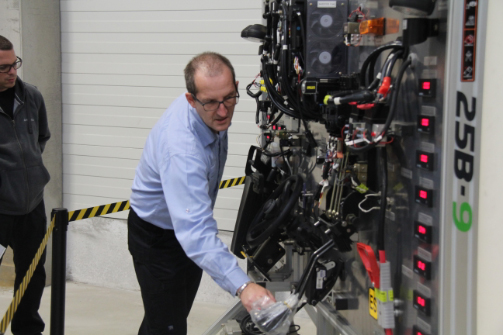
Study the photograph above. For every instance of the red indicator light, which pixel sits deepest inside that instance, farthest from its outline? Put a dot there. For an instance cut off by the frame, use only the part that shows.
(423, 194)
(274, 127)
(426, 85)
(421, 230)
(424, 158)
(425, 122)
(419, 333)
(421, 265)
(421, 302)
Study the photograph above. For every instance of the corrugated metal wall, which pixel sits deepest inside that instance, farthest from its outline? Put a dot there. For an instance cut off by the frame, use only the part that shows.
(122, 66)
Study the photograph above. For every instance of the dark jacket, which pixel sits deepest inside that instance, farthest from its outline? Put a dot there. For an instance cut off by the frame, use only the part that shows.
(22, 140)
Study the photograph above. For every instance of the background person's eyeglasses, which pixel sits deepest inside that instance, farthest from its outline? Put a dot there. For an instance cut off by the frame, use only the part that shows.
(212, 106)
(16, 65)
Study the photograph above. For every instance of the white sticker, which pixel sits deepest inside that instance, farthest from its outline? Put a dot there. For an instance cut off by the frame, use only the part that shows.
(327, 4)
(406, 173)
(424, 290)
(320, 279)
(428, 147)
(407, 272)
(425, 254)
(427, 183)
(428, 110)
(430, 60)
(425, 219)
(424, 325)
(2, 250)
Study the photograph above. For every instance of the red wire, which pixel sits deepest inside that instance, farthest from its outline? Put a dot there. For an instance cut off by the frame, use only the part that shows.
(392, 139)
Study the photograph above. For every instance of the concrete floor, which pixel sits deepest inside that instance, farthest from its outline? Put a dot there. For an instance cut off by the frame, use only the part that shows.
(98, 310)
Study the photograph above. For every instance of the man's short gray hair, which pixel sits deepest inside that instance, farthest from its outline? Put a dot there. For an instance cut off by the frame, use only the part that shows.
(211, 63)
(5, 44)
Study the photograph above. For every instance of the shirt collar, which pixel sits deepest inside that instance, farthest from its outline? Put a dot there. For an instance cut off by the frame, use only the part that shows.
(205, 134)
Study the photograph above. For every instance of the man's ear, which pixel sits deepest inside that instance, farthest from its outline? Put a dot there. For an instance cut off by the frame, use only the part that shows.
(237, 84)
(190, 99)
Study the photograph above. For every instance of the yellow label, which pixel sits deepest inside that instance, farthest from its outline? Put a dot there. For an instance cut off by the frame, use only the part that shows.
(311, 87)
(398, 187)
(381, 295)
(362, 188)
(372, 303)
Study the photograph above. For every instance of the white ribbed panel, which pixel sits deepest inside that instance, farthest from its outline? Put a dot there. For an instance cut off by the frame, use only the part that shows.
(122, 66)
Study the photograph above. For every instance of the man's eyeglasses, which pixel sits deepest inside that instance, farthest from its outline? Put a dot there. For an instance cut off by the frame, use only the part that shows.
(212, 106)
(16, 65)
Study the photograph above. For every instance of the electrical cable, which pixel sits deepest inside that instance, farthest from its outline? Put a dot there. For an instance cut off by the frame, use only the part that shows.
(292, 97)
(383, 176)
(248, 327)
(280, 115)
(273, 95)
(392, 108)
(373, 58)
(285, 158)
(396, 56)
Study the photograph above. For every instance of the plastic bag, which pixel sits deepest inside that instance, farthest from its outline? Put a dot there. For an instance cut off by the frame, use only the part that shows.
(274, 318)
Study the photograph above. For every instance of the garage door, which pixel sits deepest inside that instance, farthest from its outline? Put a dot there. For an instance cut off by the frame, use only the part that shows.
(122, 66)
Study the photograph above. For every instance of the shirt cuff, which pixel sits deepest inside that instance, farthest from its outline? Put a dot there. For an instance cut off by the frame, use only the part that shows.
(235, 279)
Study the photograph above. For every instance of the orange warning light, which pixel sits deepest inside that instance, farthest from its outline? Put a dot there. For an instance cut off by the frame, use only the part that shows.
(374, 27)
(392, 26)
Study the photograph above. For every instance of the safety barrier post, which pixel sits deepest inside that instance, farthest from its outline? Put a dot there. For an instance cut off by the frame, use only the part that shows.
(58, 271)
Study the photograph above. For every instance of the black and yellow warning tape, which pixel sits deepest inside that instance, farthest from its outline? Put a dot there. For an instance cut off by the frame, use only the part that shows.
(26, 280)
(91, 212)
(232, 182)
(86, 213)
(76, 215)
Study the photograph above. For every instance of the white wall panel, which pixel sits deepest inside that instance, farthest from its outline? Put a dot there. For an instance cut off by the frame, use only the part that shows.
(126, 96)
(159, 5)
(122, 66)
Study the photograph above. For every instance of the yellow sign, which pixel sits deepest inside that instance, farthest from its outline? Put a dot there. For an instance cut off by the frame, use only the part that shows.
(372, 303)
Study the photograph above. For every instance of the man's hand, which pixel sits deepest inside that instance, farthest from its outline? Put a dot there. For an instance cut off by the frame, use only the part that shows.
(252, 293)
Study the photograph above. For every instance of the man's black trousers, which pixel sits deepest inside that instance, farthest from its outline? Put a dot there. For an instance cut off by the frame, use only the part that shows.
(168, 278)
(24, 233)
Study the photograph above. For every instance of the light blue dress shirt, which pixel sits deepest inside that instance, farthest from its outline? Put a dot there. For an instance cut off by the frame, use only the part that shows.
(176, 186)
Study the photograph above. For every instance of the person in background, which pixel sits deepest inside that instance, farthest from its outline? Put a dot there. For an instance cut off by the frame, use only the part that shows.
(172, 234)
(24, 132)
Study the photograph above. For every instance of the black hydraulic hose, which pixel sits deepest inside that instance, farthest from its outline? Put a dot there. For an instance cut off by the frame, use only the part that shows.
(285, 85)
(273, 95)
(250, 93)
(277, 118)
(383, 177)
(374, 85)
(274, 24)
(394, 99)
(371, 68)
(302, 31)
(293, 98)
(392, 108)
(373, 57)
(398, 54)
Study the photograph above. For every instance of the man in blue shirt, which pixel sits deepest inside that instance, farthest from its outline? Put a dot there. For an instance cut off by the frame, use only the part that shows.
(172, 234)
